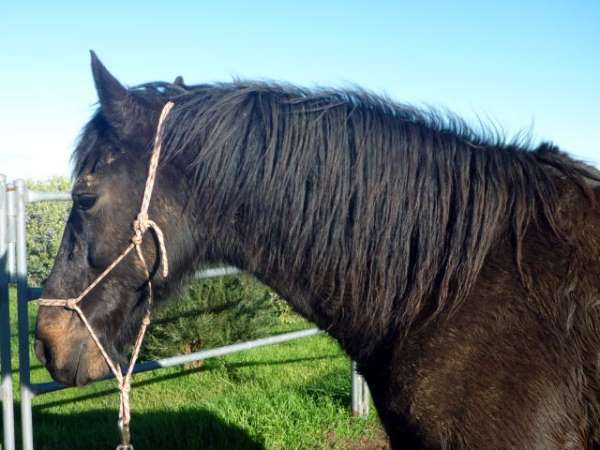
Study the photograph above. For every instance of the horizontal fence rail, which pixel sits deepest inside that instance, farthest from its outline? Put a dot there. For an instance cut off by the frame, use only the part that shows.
(34, 196)
(13, 256)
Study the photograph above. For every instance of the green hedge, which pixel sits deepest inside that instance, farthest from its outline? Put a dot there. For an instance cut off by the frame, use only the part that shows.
(45, 224)
(214, 312)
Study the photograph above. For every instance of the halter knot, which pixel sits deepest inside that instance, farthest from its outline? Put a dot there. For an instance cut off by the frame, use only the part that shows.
(137, 238)
(71, 304)
(140, 225)
(141, 222)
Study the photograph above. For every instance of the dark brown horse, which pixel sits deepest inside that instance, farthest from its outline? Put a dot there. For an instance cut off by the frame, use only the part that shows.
(462, 272)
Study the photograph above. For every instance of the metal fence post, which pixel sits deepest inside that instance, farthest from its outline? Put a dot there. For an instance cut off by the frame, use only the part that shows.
(11, 209)
(22, 299)
(360, 394)
(6, 389)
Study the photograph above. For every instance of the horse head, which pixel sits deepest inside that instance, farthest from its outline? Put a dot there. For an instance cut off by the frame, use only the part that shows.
(111, 169)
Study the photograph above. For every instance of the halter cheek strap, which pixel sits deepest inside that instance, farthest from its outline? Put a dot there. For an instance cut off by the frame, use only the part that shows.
(140, 225)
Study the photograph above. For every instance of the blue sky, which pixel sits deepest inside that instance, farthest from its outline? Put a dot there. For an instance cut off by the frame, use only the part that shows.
(520, 64)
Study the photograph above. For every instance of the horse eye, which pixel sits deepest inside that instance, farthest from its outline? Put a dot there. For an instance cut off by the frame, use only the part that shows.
(84, 201)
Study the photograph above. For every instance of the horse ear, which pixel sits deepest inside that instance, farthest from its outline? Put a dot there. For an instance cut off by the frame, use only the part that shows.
(114, 98)
(122, 110)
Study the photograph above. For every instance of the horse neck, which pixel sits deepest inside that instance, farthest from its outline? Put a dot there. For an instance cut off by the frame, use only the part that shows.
(258, 244)
(281, 245)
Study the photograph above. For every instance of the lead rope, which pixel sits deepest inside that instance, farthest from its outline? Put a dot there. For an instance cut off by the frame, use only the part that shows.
(140, 225)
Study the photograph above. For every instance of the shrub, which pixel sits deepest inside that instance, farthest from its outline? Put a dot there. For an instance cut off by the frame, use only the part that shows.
(214, 312)
(45, 224)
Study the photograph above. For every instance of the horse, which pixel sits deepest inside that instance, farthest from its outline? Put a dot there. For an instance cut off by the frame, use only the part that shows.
(459, 269)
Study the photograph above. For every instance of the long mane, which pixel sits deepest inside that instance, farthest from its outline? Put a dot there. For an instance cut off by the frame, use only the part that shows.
(388, 209)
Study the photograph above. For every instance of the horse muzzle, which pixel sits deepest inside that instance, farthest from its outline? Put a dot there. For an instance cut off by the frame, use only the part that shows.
(64, 346)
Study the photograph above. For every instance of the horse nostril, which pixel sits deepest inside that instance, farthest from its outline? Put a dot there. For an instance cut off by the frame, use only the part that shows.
(40, 351)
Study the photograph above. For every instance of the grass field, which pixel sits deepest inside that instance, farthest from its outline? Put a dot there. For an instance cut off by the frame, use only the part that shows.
(289, 396)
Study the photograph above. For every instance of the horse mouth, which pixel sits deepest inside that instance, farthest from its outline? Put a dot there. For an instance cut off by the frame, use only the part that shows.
(84, 365)
(79, 379)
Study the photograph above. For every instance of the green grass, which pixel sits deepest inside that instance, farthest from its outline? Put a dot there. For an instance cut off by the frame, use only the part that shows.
(289, 396)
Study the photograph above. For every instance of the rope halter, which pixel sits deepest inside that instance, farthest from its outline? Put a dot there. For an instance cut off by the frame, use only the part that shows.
(140, 225)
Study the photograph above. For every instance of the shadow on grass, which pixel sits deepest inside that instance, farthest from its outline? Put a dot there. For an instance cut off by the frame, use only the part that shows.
(182, 373)
(188, 429)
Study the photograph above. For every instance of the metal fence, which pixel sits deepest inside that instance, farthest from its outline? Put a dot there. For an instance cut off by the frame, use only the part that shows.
(14, 198)
(6, 387)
